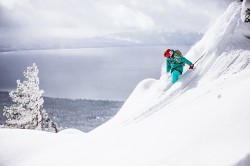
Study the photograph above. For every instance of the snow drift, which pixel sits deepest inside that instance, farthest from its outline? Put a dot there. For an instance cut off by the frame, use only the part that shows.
(203, 119)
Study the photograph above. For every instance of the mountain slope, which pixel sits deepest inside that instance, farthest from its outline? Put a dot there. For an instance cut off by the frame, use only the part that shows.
(203, 119)
(134, 38)
(226, 52)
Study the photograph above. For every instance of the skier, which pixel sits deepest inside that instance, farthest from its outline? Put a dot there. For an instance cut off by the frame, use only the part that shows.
(175, 62)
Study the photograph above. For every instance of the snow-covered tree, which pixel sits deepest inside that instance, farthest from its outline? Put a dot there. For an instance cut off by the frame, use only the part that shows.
(245, 12)
(27, 111)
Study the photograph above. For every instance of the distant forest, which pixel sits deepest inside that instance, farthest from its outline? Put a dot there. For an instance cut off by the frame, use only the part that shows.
(81, 114)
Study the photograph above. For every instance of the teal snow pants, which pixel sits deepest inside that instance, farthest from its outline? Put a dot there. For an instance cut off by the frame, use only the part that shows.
(175, 76)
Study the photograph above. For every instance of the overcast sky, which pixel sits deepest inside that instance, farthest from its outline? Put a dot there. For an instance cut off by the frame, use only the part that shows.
(86, 18)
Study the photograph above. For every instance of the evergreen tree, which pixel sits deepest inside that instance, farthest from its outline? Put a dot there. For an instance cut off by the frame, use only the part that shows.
(27, 111)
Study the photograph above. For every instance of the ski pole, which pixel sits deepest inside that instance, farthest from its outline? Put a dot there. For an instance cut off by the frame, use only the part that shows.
(199, 58)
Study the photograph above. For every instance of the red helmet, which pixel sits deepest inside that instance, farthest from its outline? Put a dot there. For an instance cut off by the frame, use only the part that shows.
(168, 53)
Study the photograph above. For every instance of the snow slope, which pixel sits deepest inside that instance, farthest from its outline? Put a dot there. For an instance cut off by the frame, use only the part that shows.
(202, 120)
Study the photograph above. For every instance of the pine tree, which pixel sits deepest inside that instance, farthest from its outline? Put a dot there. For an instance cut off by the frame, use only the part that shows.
(27, 111)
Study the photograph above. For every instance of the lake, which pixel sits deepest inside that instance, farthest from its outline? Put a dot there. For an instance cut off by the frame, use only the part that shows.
(91, 73)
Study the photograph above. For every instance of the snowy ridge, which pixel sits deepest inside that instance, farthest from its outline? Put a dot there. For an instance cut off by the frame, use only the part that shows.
(202, 120)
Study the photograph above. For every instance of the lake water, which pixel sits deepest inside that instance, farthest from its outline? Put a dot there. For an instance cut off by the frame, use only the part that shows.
(91, 73)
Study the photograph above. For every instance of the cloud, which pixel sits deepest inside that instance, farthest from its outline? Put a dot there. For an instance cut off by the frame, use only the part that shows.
(86, 18)
(123, 17)
(10, 4)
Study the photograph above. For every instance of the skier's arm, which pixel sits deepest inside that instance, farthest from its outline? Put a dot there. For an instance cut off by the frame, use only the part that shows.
(183, 59)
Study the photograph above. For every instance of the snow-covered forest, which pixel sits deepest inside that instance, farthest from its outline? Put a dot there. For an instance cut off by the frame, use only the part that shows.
(81, 114)
(203, 119)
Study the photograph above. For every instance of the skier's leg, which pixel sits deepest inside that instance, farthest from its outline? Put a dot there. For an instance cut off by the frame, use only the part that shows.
(175, 76)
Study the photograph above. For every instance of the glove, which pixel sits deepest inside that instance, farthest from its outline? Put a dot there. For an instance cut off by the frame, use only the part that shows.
(191, 66)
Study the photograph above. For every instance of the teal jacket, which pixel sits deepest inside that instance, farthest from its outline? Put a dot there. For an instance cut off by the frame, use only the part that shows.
(176, 62)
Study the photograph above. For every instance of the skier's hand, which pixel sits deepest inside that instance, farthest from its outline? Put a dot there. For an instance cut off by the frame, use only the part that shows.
(191, 66)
